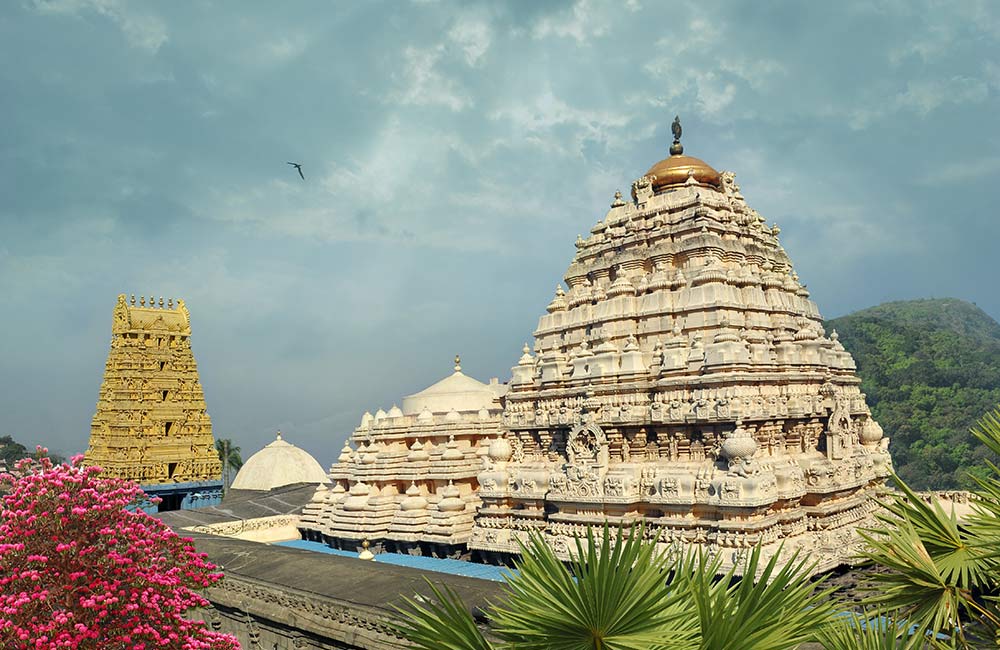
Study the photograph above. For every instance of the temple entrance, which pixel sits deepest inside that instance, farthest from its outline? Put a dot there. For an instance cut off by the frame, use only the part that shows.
(170, 502)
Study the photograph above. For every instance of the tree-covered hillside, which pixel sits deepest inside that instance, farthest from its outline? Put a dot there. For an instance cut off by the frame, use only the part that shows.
(931, 369)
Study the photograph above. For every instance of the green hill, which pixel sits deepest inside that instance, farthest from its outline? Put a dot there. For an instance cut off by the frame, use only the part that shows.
(931, 369)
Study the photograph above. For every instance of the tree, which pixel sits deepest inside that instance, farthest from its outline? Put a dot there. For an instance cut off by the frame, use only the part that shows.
(231, 459)
(621, 593)
(82, 568)
(11, 450)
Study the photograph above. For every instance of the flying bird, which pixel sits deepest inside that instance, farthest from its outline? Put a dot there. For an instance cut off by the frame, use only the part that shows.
(298, 168)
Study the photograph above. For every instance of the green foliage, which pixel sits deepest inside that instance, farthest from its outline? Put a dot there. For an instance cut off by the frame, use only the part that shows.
(621, 593)
(443, 623)
(779, 610)
(611, 597)
(937, 573)
(935, 568)
(231, 457)
(930, 369)
(983, 524)
(869, 631)
(11, 450)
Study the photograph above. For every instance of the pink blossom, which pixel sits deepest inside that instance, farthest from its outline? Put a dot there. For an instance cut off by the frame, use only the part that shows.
(82, 568)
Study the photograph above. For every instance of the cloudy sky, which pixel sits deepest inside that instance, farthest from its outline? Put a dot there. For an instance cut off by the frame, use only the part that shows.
(452, 152)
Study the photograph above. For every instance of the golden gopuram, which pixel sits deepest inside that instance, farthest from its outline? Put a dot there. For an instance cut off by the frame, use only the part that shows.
(152, 424)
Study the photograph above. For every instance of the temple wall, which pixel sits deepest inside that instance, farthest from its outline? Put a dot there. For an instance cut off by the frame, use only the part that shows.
(286, 598)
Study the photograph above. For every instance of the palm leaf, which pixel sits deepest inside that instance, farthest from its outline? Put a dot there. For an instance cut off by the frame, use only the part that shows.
(952, 550)
(933, 565)
(441, 624)
(870, 632)
(613, 596)
(984, 523)
(779, 610)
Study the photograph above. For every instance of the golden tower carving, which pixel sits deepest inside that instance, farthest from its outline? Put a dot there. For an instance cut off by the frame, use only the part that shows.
(151, 424)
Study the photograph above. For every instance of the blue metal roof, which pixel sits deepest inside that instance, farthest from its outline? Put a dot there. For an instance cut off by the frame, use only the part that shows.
(435, 564)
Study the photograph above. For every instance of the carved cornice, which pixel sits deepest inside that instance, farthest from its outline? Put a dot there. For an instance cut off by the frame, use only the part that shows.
(232, 528)
(345, 622)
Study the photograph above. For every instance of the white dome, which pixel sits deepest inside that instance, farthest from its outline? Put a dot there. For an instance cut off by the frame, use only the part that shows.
(279, 463)
(457, 392)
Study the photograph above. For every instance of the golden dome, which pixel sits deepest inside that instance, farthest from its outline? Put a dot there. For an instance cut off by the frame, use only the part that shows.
(676, 169)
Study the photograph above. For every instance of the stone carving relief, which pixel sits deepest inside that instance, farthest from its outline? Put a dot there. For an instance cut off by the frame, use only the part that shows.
(587, 444)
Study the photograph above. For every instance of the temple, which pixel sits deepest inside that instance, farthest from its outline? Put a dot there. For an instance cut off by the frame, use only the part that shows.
(410, 485)
(683, 378)
(151, 424)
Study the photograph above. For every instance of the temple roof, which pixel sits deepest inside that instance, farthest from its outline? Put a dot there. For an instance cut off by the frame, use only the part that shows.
(676, 169)
(166, 318)
(279, 463)
(457, 392)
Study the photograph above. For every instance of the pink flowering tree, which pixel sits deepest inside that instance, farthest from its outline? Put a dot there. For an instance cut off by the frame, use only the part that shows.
(81, 567)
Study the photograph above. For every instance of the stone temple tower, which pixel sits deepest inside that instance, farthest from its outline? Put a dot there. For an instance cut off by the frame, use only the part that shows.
(151, 424)
(683, 378)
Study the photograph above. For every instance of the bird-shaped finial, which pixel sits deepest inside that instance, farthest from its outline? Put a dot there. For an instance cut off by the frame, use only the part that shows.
(676, 148)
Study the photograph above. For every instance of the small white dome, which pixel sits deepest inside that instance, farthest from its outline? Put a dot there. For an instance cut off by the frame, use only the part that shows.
(456, 392)
(279, 463)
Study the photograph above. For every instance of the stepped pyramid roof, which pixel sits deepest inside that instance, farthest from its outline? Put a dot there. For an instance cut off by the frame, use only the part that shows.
(684, 378)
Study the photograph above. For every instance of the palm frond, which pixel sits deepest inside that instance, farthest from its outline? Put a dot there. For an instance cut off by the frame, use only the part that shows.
(984, 523)
(953, 552)
(874, 631)
(933, 565)
(441, 624)
(613, 596)
(774, 607)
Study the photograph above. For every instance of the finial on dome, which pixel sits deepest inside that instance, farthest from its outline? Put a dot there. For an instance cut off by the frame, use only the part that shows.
(618, 202)
(458, 363)
(676, 148)
(278, 437)
(365, 554)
